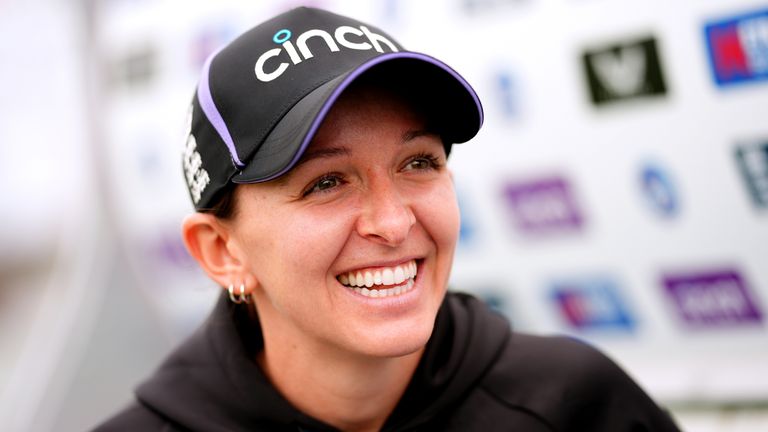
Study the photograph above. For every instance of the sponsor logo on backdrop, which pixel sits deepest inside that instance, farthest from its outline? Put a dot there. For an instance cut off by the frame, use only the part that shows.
(543, 206)
(507, 94)
(626, 70)
(738, 48)
(137, 67)
(467, 228)
(592, 304)
(712, 298)
(391, 10)
(752, 160)
(659, 190)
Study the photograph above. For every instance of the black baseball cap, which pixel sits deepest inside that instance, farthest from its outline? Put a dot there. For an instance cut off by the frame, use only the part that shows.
(261, 98)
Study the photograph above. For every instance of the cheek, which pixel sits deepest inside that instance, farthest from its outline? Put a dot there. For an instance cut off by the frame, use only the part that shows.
(302, 246)
(438, 212)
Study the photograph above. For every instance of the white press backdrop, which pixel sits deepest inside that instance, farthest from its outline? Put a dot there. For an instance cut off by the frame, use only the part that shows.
(558, 232)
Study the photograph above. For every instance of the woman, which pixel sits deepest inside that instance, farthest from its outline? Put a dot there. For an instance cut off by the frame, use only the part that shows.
(317, 162)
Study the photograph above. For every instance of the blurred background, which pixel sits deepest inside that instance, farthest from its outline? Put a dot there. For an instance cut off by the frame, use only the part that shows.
(618, 192)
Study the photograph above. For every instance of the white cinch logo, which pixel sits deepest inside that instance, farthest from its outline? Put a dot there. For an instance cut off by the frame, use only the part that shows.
(197, 177)
(339, 38)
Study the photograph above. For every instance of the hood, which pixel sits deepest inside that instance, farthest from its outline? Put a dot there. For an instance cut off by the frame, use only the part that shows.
(467, 340)
(211, 383)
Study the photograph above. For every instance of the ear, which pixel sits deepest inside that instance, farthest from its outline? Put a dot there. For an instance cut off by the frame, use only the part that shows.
(209, 241)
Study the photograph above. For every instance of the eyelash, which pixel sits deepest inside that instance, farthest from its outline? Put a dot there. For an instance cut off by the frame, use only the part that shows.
(328, 176)
(433, 163)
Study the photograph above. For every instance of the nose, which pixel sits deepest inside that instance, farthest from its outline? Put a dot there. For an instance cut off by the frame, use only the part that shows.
(386, 217)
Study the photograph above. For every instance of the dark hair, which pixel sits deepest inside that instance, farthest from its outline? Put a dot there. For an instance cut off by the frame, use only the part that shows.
(224, 205)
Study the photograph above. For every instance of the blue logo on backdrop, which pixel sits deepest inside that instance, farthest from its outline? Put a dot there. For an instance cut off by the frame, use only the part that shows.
(507, 94)
(467, 228)
(659, 190)
(738, 48)
(592, 304)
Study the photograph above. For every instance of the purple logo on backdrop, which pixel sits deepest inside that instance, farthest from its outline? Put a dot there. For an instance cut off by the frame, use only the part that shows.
(712, 298)
(543, 206)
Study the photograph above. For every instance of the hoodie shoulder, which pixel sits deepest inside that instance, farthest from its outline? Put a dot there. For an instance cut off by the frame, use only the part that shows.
(571, 386)
(136, 417)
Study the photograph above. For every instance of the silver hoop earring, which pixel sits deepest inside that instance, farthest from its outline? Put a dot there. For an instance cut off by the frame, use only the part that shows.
(231, 290)
(243, 298)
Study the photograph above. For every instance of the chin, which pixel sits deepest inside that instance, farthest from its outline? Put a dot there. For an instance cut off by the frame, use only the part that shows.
(399, 341)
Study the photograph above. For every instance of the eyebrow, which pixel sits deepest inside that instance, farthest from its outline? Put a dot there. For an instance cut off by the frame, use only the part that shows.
(321, 154)
(413, 134)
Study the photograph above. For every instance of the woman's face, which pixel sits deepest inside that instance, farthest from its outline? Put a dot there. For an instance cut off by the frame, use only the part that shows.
(335, 243)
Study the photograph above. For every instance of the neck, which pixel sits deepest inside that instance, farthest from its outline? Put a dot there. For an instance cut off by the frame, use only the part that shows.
(348, 391)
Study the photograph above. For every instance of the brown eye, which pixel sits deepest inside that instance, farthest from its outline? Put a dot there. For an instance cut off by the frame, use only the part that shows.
(419, 164)
(422, 162)
(324, 184)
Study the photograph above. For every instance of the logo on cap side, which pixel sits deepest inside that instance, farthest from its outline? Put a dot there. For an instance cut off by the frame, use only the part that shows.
(197, 177)
(340, 37)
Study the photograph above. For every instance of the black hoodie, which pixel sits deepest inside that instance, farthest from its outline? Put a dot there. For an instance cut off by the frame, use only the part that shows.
(475, 375)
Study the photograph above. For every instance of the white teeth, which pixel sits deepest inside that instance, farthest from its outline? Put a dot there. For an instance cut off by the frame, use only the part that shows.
(380, 293)
(385, 276)
(388, 277)
(399, 275)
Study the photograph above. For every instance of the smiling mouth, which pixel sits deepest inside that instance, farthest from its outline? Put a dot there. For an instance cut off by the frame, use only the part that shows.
(381, 282)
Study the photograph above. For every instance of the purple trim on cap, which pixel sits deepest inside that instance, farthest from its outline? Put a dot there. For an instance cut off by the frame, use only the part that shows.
(352, 77)
(212, 113)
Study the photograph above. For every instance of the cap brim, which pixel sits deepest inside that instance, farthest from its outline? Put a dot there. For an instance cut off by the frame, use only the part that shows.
(461, 113)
